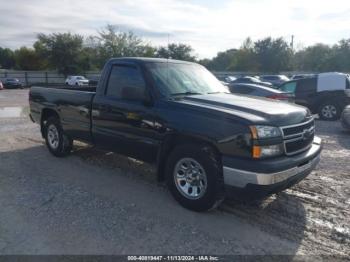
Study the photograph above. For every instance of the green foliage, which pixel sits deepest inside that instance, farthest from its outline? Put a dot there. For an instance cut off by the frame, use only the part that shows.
(62, 51)
(176, 51)
(266, 55)
(71, 53)
(28, 59)
(222, 61)
(314, 58)
(273, 55)
(245, 58)
(7, 58)
(113, 43)
(340, 59)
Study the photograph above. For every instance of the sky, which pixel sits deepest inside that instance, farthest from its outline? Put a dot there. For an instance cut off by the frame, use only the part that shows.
(208, 26)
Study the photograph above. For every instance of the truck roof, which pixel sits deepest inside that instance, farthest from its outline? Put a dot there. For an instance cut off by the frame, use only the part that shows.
(148, 60)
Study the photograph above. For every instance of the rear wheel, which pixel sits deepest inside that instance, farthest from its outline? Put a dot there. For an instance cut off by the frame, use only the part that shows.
(194, 177)
(58, 143)
(329, 111)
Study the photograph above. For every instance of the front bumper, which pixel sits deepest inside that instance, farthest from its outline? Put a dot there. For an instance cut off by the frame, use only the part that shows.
(258, 178)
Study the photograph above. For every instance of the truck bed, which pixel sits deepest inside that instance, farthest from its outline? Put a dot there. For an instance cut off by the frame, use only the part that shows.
(73, 104)
(73, 88)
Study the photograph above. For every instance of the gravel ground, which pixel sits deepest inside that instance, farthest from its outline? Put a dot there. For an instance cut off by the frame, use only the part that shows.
(95, 202)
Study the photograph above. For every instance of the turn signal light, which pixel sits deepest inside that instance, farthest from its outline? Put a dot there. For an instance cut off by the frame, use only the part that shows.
(256, 151)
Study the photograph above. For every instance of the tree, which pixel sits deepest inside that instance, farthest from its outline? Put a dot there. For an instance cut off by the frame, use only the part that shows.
(28, 59)
(61, 50)
(245, 58)
(339, 59)
(113, 43)
(7, 58)
(176, 51)
(222, 61)
(273, 55)
(313, 58)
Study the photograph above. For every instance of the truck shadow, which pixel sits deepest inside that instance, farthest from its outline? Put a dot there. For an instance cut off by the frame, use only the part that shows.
(282, 215)
(274, 226)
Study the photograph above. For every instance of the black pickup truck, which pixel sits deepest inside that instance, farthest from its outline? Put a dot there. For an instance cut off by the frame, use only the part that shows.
(205, 142)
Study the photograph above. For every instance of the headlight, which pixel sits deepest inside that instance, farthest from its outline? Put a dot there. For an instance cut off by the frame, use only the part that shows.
(265, 132)
(267, 151)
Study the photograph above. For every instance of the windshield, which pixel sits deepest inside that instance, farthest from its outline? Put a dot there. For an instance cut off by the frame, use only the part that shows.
(184, 79)
(80, 78)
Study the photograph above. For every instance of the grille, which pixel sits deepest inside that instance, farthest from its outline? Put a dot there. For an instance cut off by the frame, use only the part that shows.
(298, 138)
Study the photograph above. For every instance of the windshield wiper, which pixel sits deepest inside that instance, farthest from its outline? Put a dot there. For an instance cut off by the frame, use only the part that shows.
(188, 93)
(218, 92)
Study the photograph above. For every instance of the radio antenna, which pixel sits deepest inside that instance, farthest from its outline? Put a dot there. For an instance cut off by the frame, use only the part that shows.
(167, 60)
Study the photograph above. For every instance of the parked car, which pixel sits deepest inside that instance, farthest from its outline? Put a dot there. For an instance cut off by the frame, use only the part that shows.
(11, 83)
(230, 79)
(301, 76)
(345, 118)
(251, 80)
(259, 90)
(93, 81)
(275, 80)
(206, 143)
(226, 79)
(325, 95)
(224, 83)
(77, 81)
(1, 86)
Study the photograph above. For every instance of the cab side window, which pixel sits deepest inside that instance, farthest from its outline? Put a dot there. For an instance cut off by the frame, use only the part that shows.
(307, 85)
(126, 82)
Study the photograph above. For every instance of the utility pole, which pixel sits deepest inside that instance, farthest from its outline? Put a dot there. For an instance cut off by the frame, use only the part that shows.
(292, 43)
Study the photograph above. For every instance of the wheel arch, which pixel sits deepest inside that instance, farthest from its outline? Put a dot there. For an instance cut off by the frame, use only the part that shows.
(171, 141)
(46, 113)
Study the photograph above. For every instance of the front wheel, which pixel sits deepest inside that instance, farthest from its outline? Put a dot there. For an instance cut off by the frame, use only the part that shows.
(329, 111)
(58, 143)
(194, 177)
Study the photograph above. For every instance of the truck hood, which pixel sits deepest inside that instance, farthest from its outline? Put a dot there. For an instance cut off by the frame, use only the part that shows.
(253, 109)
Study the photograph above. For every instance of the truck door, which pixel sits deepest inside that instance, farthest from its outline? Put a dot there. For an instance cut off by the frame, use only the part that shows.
(121, 119)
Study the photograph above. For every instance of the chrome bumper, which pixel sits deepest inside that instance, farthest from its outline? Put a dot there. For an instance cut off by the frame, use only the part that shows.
(241, 178)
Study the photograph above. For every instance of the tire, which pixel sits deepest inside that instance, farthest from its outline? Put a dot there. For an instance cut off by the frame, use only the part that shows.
(329, 111)
(207, 183)
(58, 143)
